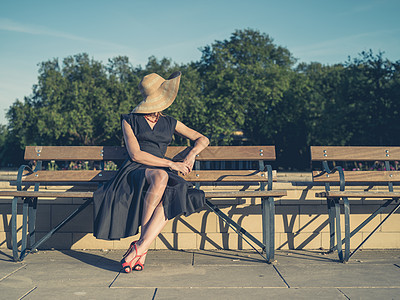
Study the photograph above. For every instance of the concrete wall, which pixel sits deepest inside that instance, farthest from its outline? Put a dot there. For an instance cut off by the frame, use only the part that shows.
(301, 221)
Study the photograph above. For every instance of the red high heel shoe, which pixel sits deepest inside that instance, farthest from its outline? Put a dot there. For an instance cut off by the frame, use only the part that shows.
(138, 265)
(128, 251)
(127, 266)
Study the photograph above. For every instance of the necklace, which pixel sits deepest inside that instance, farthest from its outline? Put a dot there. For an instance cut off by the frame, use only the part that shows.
(150, 120)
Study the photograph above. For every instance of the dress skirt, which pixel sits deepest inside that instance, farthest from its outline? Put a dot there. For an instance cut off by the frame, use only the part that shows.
(118, 204)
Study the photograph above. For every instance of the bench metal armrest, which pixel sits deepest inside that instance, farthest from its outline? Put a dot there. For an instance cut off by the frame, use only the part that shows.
(268, 168)
(327, 170)
(21, 170)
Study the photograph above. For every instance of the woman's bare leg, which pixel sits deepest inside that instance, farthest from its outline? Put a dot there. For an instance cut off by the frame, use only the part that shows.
(153, 216)
(157, 180)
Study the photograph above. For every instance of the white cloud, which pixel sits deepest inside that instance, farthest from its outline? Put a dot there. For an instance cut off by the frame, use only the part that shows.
(10, 25)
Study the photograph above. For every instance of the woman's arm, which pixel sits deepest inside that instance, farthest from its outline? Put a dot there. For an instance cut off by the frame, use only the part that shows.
(146, 158)
(200, 142)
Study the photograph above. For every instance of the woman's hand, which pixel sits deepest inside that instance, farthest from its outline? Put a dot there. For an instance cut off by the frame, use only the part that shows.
(200, 142)
(189, 161)
(180, 167)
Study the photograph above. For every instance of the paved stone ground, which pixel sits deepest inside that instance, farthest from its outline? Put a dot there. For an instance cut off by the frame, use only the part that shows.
(199, 274)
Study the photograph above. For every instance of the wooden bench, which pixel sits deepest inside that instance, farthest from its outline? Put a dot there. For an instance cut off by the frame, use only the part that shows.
(358, 180)
(29, 182)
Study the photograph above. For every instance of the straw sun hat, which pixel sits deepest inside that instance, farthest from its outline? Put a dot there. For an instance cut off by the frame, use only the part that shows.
(157, 92)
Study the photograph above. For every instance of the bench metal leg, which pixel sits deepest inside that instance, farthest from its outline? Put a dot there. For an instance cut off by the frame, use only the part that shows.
(268, 223)
(58, 227)
(338, 230)
(369, 219)
(28, 225)
(236, 227)
(376, 228)
(331, 214)
(14, 207)
(348, 234)
(24, 226)
(346, 228)
(339, 240)
(32, 222)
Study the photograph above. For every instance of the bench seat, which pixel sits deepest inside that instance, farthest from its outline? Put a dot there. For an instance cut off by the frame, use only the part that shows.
(48, 194)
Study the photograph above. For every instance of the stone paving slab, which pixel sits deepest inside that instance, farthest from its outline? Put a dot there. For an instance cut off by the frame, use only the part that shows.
(209, 276)
(42, 293)
(71, 274)
(15, 287)
(247, 293)
(340, 275)
(372, 293)
(7, 268)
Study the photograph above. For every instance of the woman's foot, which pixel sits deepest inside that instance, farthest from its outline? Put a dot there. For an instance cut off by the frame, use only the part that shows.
(139, 265)
(131, 258)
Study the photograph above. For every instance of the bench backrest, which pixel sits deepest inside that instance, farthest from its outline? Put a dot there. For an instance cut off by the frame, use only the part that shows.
(327, 154)
(110, 153)
(99, 153)
(354, 153)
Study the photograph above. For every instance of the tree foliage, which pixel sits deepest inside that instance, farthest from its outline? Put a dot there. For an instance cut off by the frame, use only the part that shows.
(245, 82)
(243, 79)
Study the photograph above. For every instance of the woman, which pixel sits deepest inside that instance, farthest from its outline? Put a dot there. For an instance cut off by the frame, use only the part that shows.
(148, 191)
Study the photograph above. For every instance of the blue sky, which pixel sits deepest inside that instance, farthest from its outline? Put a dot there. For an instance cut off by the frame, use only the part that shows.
(313, 30)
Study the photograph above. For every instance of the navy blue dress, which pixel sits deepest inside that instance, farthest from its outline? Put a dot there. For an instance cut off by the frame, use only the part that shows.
(118, 204)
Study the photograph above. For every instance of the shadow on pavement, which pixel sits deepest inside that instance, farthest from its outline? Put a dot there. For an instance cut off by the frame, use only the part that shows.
(9, 257)
(98, 261)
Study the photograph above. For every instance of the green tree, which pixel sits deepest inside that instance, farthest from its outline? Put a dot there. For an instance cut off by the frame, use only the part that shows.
(76, 104)
(244, 78)
(3, 149)
(289, 121)
(123, 93)
(326, 105)
(373, 84)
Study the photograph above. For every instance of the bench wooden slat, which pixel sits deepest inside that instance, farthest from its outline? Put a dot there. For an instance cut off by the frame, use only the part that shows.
(359, 176)
(354, 153)
(214, 153)
(100, 176)
(228, 176)
(47, 194)
(95, 153)
(246, 194)
(99, 153)
(369, 194)
(235, 194)
(68, 176)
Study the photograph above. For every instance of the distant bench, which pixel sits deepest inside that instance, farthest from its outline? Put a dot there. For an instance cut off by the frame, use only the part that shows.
(357, 178)
(88, 180)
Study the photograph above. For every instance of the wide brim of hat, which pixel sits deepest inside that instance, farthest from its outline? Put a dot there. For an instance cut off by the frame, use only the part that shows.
(166, 96)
